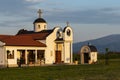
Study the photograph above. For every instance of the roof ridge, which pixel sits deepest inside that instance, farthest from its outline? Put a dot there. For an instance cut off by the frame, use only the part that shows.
(23, 41)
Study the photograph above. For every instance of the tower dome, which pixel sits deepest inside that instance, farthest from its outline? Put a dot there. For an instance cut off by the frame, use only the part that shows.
(39, 20)
(40, 24)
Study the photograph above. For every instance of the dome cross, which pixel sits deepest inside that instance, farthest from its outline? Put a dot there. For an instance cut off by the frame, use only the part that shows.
(39, 13)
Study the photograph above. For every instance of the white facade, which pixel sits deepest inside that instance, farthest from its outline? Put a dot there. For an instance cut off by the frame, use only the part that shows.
(56, 43)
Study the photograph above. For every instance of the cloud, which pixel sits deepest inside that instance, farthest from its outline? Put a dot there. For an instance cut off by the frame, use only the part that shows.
(34, 1)
(15, 12)
(21, 11)
(91, 16)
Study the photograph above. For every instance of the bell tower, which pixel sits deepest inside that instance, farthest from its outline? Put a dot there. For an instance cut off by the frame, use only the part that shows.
(39, 24)
(68, 41)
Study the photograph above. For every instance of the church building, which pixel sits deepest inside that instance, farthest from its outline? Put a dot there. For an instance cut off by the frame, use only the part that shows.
(42, 46)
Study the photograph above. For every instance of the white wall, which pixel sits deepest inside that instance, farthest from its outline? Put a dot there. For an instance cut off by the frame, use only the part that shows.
(93, 56)
(40, 26)
(51, 46)
(67, 52)
(15, 48)
(2, 54)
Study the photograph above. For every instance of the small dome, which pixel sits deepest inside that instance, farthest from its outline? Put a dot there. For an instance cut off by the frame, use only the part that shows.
(39, 20)
(92, 48)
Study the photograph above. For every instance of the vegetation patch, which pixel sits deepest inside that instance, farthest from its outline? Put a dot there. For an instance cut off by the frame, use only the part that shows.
(99, 71)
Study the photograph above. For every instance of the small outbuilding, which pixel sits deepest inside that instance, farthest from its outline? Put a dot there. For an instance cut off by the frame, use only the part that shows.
(88, 54)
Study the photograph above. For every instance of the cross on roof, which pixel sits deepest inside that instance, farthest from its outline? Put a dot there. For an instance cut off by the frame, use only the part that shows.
(67, 23)
(39, 13)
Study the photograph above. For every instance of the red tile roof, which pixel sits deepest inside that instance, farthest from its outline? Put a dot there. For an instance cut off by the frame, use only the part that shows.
(36, 35)
(5, 36)
(41, 36)
(26, 38)
(20, 41)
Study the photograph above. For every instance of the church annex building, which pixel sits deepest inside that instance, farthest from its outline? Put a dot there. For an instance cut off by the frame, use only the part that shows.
(40, 46)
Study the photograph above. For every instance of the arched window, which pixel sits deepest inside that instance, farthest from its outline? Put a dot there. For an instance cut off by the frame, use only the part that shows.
(10, 54)
(68, 32)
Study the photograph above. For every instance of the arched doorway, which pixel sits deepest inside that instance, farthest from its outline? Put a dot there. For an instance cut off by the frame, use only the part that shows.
(88, 54)
(86, 57)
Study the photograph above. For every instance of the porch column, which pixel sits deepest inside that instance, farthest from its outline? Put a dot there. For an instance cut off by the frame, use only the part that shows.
(26, 57)
(82, 58)
(35, 56)
(71, 52)
(63, 53)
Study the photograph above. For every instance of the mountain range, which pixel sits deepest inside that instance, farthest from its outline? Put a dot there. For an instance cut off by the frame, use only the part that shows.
(112, 42)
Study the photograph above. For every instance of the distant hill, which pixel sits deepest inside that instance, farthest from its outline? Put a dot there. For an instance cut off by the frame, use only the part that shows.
(112, 42)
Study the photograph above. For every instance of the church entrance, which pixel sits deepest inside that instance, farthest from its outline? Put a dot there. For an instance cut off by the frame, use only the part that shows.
(86, 57)
(58, 57)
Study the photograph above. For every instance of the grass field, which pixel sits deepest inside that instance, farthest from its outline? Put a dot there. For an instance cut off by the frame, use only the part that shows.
(98, 71)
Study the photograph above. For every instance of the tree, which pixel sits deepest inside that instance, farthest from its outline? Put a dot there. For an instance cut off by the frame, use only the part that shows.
(106, 56)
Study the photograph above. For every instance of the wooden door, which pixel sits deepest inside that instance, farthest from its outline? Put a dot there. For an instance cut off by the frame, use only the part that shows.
(58, 57)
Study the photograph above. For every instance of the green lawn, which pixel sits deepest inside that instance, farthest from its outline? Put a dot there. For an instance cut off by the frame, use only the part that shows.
(98, 71)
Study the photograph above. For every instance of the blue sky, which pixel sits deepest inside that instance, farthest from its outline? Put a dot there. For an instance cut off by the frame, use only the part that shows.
(90, 19)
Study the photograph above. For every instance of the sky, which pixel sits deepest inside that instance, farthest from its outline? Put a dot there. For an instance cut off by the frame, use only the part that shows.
(89, 19)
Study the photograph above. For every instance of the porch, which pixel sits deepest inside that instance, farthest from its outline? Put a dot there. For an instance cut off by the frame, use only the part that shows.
(30, 57)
